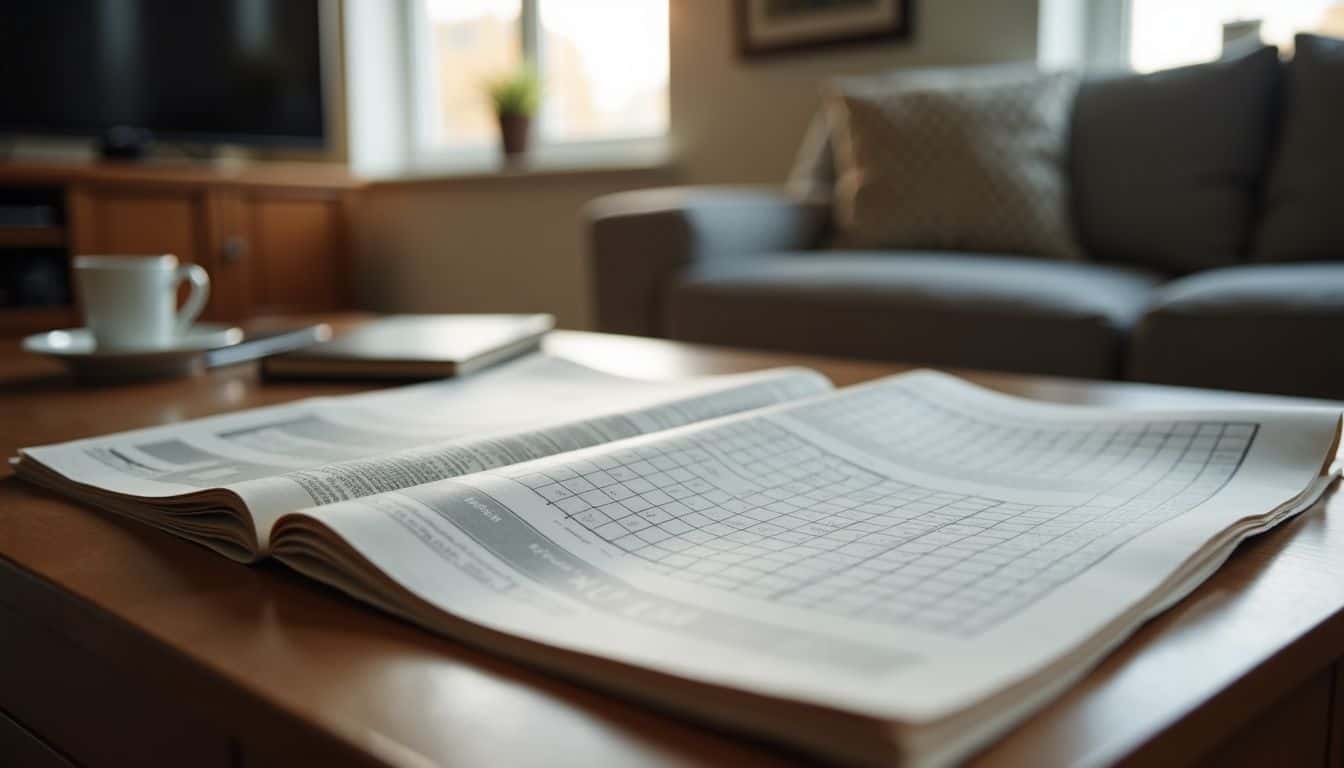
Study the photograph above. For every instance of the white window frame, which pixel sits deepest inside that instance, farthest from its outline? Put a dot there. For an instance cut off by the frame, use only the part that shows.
(421, 77)
(1086, 34)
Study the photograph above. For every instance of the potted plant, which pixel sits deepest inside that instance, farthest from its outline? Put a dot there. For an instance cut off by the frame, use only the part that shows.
(516, 97)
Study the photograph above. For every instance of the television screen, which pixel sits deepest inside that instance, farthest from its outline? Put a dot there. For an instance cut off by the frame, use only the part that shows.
(241, 71)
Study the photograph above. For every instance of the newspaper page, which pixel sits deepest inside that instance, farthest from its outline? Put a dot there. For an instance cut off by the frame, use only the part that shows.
(898, 550)
(282, 458)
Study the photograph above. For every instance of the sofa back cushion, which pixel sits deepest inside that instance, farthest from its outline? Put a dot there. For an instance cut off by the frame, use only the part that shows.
(969, 161)
(1166, 167)
(1303, 217)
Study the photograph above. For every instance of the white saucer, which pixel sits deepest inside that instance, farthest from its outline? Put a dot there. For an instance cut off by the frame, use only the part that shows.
(78, 350)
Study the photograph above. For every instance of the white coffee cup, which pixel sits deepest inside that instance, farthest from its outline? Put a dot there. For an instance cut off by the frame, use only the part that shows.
(130, 302)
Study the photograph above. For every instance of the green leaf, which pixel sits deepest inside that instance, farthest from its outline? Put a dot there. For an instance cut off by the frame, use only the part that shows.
(518, 93)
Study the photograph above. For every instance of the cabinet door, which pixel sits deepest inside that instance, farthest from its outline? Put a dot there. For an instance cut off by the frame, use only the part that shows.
(267, 251)
(298, 253)
(140, 222)
(133, 221)
(230, 255)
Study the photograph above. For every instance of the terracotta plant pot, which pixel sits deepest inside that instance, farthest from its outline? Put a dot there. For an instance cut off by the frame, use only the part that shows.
(513, 130)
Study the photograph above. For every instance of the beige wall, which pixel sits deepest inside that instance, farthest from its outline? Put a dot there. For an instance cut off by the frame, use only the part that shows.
(742, 120)
(515, 243)
(481, 244)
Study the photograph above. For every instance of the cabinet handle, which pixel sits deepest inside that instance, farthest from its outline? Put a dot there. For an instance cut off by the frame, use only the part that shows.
(234, 249)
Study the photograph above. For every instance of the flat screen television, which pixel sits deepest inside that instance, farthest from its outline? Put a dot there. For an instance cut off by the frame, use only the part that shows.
(207, 71)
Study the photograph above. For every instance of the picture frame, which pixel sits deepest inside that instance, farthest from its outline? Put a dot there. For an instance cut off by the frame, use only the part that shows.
(769, 27)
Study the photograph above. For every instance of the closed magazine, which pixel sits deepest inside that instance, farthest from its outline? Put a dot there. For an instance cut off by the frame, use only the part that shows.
(415, 347)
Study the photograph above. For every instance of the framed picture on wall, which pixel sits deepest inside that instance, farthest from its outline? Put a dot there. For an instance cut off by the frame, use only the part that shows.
(778, 26)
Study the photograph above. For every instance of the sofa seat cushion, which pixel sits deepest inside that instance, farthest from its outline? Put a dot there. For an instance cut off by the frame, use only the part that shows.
(1261, 328)
(932, 308)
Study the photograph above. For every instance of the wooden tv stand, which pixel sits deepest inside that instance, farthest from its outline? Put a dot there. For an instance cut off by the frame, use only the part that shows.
(275, 237)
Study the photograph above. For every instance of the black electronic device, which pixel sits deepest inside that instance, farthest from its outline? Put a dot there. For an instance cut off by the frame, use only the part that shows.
(206, 71)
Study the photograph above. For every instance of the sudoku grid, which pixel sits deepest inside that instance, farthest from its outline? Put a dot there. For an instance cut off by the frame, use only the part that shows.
(753, 508)
(927, 432)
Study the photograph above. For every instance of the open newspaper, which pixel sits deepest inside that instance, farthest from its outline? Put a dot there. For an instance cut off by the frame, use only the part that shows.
(894, 572)
(223, 481)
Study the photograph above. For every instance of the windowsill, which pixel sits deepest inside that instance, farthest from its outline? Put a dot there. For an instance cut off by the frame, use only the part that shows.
(617, 157)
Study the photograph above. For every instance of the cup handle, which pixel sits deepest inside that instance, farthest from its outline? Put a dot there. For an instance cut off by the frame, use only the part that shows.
(200, 293)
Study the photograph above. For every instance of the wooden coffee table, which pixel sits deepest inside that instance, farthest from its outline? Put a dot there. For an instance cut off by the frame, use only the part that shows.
(121, 645)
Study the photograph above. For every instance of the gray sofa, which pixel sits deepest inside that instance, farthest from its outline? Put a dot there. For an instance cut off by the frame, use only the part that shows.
(1210, 202)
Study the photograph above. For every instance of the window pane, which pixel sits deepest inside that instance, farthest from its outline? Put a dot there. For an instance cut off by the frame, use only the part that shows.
(471, 43)
(604, 63)
(1169, 34)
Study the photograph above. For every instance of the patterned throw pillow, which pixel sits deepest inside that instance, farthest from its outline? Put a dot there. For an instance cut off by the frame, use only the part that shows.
(945, 161)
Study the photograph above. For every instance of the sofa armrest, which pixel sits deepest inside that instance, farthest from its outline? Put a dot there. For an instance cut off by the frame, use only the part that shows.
(638, 239)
